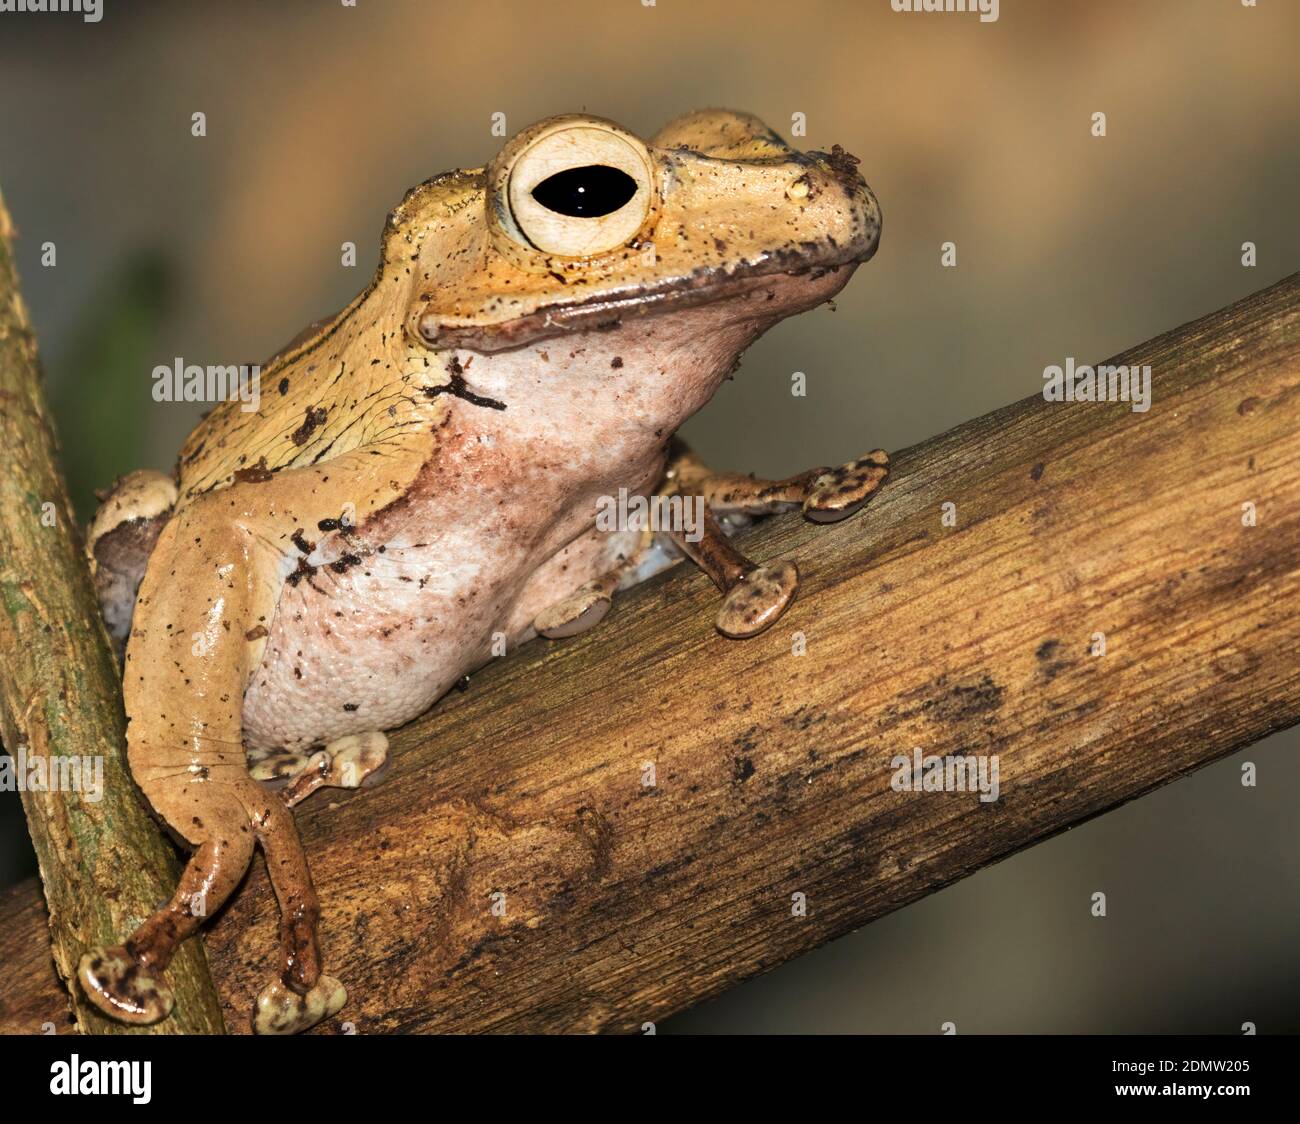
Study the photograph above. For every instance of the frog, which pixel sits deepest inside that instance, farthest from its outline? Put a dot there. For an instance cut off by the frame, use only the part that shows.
(421, 477)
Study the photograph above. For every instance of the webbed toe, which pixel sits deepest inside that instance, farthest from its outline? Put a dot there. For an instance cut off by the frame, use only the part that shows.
(120, 987)
(756, 602)
(839, 492)
(281, 1010)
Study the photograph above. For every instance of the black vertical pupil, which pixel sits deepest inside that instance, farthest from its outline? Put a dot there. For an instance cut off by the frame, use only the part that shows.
(587, 192)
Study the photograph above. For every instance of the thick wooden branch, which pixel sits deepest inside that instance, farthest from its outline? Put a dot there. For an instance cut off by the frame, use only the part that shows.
(104, 863)
(621, 902)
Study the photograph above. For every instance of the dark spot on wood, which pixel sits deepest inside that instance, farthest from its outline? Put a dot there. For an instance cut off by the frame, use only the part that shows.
(1046, 654)
(594, 830)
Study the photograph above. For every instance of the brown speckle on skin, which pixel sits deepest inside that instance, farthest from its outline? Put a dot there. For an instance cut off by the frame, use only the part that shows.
(314, 419)
(258, 474)
(304, 570)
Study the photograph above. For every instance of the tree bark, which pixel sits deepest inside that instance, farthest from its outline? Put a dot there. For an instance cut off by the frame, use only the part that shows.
(104, 864)
(603, 831)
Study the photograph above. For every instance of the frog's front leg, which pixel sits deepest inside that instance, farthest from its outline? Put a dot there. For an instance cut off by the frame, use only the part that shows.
(754, 596)
(826, 495)
(188, 661)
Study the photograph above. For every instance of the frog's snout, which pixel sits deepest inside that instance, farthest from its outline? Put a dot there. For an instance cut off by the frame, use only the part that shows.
(837, 171)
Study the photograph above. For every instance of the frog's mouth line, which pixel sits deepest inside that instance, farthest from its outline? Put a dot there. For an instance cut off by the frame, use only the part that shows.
(610, 310)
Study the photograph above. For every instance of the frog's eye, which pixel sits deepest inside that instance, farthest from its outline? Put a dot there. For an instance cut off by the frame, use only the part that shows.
(579, 191)
(592, 191)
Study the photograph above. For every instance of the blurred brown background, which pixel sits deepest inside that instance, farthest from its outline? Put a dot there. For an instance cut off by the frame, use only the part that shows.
(319, 116)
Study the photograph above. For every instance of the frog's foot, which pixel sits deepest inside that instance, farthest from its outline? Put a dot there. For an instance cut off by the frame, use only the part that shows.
(583, 609)
(837, 493)
(757, 600)
(121, 987)
(281, 1010)
(753, 596)
(347, 762)
(276, 767)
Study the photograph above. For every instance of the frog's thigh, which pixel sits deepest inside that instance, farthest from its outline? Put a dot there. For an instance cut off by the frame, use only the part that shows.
(183, 685)
(187, 667)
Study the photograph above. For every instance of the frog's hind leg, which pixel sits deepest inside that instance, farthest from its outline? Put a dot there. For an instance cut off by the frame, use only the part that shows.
(184, 692)
(302, 995)
(126, 981)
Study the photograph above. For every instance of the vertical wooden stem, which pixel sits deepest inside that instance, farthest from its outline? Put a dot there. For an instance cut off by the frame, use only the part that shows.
(104, 863)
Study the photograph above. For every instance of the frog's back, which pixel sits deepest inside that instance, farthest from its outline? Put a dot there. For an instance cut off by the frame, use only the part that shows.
(329, 391)
(298, 415)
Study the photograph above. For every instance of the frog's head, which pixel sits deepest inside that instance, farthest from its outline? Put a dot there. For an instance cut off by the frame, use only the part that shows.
(577, 224)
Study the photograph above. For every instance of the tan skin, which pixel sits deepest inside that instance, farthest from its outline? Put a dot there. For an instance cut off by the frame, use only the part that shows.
(422, 476)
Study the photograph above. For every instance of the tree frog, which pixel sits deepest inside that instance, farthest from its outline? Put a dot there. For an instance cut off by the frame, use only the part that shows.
(422, 475)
